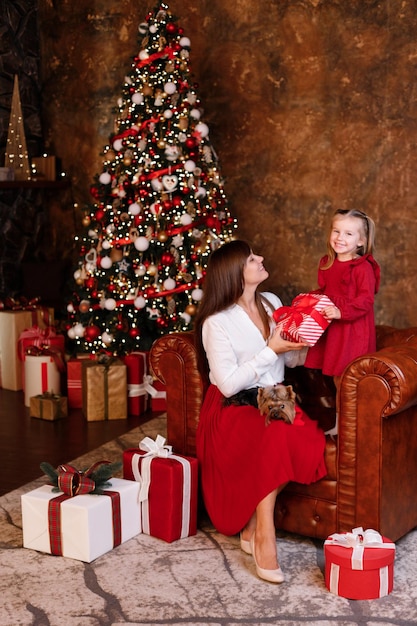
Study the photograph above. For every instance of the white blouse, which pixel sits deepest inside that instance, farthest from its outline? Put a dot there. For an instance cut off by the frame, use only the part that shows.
(237, 353)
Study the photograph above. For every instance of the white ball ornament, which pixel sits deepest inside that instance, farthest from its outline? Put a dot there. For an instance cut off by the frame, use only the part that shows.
(197, 294)
(195, 114)
(170, 88)
(106, 245)
(141, 244)
(71, 333)
(167, 114)
(77, 274)
(110, 304)
(186, 317)
(143, 28)
(143, 55)
(189, 165)
(169, 284)
(79, 330)
(186, 219)
(202, 129)
(156, 184)
(153, 29)
(105, 178)
(106, 338)
(139, 302)
(117, 144)
(140, 270)
(134, 208)
(185, 42)
(70, 308)
(106, 262)
(137, 98)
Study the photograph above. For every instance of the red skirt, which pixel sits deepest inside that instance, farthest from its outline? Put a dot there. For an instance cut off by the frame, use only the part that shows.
(242, 460)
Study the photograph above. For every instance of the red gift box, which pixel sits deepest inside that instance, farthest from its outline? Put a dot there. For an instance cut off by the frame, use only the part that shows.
(168, 493)
(158, 396)
(137, 384)
(303, 320)
(74, 377)
(359, 565)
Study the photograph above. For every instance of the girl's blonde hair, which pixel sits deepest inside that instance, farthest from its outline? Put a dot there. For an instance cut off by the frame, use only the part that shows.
(368, 233)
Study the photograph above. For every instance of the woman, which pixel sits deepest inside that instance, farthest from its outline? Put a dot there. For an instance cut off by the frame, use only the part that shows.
(244, 463)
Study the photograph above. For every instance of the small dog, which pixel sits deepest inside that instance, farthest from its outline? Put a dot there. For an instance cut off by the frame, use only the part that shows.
(275, 402)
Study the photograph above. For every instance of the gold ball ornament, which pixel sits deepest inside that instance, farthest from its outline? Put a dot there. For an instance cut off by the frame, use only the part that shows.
(116, 255)
(191, 309)
(86, 220)
(110, 155)
(127, 161)
(152, 269)
(161, 144)
(79, 281)
(162, 236)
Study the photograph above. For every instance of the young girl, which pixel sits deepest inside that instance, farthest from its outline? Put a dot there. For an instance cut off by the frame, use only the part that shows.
(349, 276)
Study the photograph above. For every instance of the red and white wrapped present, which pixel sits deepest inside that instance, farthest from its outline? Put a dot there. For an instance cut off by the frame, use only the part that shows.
(303, 322)
(168, 488)
(42, 374)
(84, 526)
(12, 324)
(138, 388)
(158, 396)
(359, 565)
(36, 341)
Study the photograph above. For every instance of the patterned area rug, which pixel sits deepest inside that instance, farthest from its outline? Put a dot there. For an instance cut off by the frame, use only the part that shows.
(204, 579)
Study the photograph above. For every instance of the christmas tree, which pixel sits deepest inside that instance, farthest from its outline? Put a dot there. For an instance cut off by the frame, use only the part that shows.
(159, 205)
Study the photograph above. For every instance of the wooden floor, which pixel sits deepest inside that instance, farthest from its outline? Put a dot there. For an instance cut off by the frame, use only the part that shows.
(27, 441)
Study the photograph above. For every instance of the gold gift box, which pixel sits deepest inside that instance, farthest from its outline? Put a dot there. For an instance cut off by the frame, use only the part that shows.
(104, 388)
(48, 407)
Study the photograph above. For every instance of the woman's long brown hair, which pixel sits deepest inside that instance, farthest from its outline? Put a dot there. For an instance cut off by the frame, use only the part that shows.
(223, 286)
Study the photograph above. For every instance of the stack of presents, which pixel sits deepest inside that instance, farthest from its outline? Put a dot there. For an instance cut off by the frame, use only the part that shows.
(32, 358)
(158, 494)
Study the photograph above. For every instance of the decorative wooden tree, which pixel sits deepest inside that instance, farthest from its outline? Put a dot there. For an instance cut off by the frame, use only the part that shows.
(16, 151)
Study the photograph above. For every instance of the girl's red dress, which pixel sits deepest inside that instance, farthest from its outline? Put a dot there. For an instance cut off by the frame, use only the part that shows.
(351, 285)
(242, 460)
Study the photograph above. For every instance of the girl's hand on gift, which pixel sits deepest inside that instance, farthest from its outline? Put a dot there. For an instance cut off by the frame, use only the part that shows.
(331, 313)
(279, 345)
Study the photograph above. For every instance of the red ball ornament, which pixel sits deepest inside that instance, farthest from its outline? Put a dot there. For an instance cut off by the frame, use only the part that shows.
(185, 190)
(111, 288)
(171, 28)
(94, 192)
(176, 201)
(134, 332)
(90, 282)
(190, 143)
(167, 205)
(94, 294)
(99, 215)
(167, 258)
(92, 332)
(143, 193)
(210, 221)
(119, 326)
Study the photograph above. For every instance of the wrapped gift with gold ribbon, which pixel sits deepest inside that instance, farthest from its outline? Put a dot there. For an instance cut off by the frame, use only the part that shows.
(49, 406)
(104, 389)
(15, 317)
(168, 492)
(359, 565)
(303, 321)
(82, 515)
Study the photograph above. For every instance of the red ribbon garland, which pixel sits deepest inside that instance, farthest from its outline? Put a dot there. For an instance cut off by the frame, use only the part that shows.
(74, 482)
(51, 351)
(157, 55)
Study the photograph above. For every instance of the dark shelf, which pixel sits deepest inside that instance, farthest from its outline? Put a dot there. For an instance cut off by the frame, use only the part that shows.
(35, 184)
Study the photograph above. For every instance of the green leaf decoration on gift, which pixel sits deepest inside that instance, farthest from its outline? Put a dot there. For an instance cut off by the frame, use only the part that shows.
(99, 473)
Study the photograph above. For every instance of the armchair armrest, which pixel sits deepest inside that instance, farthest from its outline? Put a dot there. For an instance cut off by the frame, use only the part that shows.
(173, 360)
(378, 456)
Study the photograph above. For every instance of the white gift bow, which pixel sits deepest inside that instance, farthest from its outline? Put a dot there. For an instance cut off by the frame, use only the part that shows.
(152, 450)
(140, 390)
(359, 539)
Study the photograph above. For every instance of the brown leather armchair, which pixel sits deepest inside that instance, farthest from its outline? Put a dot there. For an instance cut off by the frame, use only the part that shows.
(372, 464)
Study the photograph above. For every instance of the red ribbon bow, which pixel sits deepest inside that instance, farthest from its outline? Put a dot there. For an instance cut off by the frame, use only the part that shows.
(75, 482)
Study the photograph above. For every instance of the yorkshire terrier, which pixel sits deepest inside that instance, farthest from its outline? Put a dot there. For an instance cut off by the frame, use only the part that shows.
(275, 402)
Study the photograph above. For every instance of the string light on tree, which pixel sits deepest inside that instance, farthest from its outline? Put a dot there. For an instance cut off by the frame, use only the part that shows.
(159, 207)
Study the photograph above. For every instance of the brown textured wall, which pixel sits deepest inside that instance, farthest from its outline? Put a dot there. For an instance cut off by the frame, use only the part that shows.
(312, 106)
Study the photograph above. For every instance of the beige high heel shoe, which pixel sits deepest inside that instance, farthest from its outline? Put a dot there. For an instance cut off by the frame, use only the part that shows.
(245, 545)
(270, 575)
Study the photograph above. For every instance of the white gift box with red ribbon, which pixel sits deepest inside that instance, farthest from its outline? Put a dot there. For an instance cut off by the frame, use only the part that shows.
(41, 375)
(168, 492)
(359, 565)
